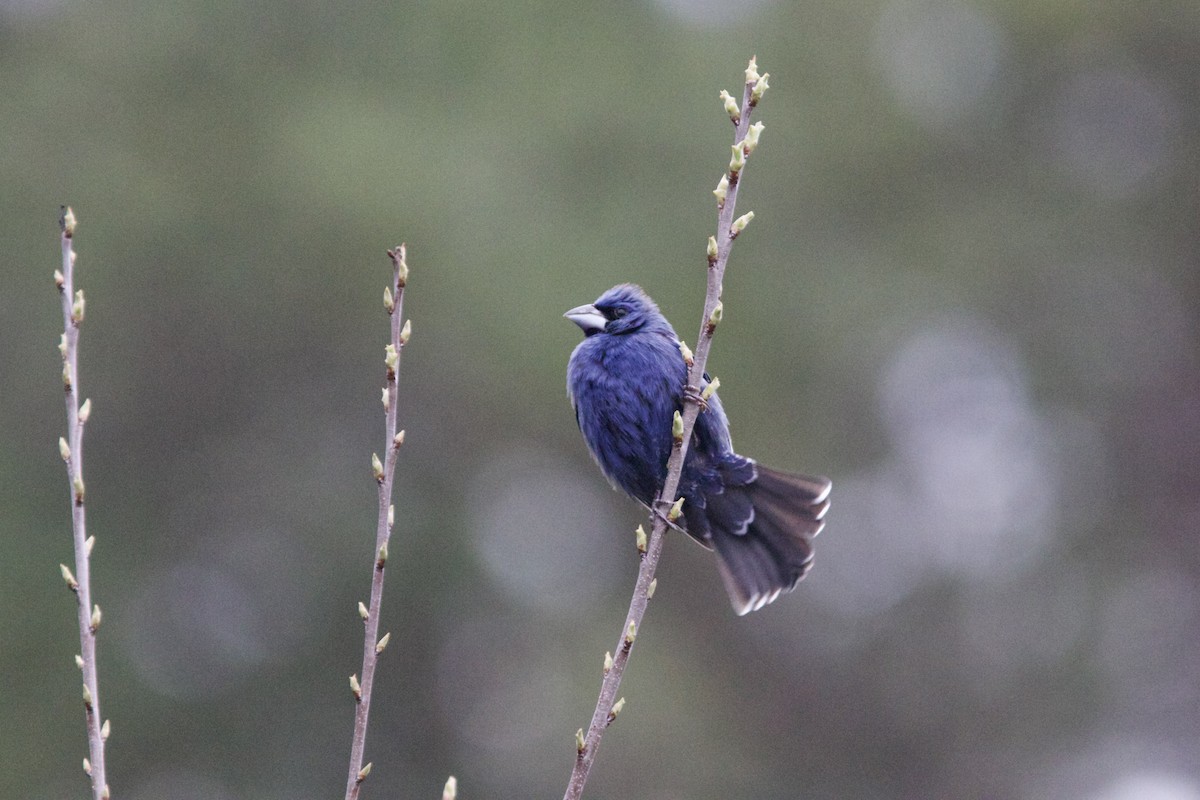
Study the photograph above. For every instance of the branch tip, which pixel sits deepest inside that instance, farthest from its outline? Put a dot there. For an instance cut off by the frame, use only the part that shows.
(67, 222)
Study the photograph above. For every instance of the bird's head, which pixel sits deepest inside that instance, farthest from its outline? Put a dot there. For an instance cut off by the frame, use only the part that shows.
(622, 309)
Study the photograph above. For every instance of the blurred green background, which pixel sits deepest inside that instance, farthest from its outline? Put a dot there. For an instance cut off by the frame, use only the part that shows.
(970, 296)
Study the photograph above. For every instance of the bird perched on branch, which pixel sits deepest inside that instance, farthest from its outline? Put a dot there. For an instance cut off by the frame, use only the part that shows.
(626, 380)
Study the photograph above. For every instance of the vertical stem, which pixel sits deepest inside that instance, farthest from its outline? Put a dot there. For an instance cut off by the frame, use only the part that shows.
(82, 584)
(383, 532)
(602, 717)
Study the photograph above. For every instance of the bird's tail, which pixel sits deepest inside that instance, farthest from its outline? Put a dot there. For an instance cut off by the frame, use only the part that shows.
(770, 549)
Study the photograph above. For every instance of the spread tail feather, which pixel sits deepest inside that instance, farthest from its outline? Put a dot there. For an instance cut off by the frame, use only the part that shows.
(769, 552)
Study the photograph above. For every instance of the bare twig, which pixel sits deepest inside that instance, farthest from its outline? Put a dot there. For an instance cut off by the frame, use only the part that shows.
(71, 449)
(373, 645)
(667, 507)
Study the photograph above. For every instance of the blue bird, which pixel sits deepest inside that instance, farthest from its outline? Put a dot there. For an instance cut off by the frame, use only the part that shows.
(626, 379)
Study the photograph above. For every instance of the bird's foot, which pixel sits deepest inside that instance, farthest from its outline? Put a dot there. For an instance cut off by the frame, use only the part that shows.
(694, 394)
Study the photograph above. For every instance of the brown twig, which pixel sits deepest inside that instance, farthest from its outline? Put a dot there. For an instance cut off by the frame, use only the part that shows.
(384, 471)
(71, 449)
(666, 507)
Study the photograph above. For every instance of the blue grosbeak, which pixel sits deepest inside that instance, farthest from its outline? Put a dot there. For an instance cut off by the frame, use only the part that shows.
(626, 379)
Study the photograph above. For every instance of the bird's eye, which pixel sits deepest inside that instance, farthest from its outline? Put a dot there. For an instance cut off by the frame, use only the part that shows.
(610, 313)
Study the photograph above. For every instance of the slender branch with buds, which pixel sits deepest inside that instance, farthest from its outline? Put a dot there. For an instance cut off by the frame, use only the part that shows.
(668, 508)
(384, 471)
(70, 447)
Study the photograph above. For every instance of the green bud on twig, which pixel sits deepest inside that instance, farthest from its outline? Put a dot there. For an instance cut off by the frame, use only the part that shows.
(650, 589)
(580, 745)
(67, 376)
(760, 88)
(740, 224)
(451, 790)
(731, 107)
(79, 661)
(392, 359)
(78, 307)
(72, 584)
(96, 617)
(616, 709)
(608, 662)
(406, 332)
(402, 266)
(87, 766)
(68, 222)
(62, 344)
(363, 612)
(64, 449)
(355, 688)
(381, 557)
(714, 319)
(640, 536)
(88, 544)
(676, 510)
(105, 794)
(387, 400)
(630, 634)
(85, 411)
(689, 357)
(59, 280)
(752, 70)
(382, 644)
(391, 519)
(87, 697)
(677, 428)
(398, 439)
(722, 191)
(105, 729)
(389, 302)
(737, 160)
(711, 389)
(377, 467)
(712, 250)
(751, 140)
(364, 772)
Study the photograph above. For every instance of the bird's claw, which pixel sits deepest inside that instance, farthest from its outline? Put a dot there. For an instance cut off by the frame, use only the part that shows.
(693, 393)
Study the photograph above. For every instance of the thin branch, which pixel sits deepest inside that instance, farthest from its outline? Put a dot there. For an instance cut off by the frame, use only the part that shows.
(71, 449)
(607, 706)
(373, 645)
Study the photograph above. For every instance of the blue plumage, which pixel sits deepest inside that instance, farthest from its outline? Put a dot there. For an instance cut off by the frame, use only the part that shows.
(626, 380)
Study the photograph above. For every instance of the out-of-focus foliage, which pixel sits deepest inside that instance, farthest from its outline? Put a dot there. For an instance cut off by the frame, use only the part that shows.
(970, 295)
